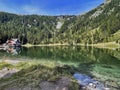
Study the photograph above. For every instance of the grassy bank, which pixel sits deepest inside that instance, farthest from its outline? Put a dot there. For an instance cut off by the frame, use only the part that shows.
(56, 44)
(31, 75)
(108, 45)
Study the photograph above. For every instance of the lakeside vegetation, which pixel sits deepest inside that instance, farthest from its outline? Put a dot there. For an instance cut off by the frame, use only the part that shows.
(108, 45)
(33, 73)
(56, 44)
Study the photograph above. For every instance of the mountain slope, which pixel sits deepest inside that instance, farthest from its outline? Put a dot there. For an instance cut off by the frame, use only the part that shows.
(98, 25)
(32, 29)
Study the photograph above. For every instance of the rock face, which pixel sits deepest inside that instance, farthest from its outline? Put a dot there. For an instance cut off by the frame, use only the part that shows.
(97, 13)
(61, 84)
(6, 73)
(59, 25)
(107, 1)
(87, 83)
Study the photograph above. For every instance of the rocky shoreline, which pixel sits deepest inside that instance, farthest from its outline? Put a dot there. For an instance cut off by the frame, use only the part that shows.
(45, 78)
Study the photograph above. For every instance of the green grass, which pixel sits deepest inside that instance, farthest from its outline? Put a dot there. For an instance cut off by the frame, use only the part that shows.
(32, 74)
(108, 45)
(115, 36)
(4, 64)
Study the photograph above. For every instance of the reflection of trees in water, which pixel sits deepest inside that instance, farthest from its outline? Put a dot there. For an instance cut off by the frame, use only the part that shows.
(72, 54)
(13, 50)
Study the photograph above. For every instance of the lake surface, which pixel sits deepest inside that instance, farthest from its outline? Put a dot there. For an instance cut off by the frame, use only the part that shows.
(104, 64)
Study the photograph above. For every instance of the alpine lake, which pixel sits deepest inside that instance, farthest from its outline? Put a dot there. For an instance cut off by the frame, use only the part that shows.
(104, 64)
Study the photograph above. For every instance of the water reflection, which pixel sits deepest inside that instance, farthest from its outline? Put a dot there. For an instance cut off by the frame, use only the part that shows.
(68, 54)
(12, 50)
(73, 54)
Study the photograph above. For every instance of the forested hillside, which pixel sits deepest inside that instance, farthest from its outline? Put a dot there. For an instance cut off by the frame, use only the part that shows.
(99, 25)
(32, 29)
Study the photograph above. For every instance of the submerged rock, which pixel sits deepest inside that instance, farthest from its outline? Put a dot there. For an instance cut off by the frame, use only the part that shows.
(87, 83)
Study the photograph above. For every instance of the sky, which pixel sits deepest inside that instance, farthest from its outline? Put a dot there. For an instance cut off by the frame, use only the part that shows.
(48, 7)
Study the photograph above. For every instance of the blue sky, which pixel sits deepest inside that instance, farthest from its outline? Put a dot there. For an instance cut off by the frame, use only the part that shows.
(48, 7)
